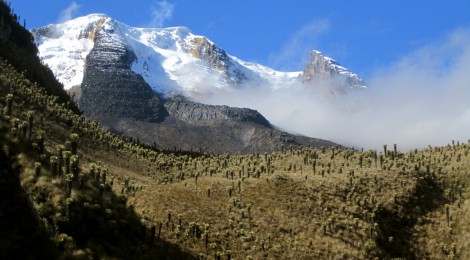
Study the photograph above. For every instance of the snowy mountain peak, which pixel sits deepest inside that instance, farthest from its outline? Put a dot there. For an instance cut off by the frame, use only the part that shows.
(171, 60)
(321, 68)
(64, 47)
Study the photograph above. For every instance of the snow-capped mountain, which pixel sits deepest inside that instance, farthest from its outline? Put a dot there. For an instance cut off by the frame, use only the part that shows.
(172, 60)
(143, 82)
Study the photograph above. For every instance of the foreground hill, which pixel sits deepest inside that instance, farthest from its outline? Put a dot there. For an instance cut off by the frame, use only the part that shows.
(71, 189)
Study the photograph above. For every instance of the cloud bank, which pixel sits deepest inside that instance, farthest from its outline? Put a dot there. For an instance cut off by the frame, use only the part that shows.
(422, 99)
(69, 12)
(160, 12)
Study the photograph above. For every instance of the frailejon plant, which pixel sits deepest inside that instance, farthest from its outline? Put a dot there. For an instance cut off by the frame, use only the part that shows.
(74, 143)
(30, 116)
(9, 101)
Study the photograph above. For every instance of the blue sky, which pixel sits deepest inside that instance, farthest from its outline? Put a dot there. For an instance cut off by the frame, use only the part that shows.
(362, 35)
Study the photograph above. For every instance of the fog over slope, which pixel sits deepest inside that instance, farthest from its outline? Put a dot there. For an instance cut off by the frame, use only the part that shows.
(422, 99)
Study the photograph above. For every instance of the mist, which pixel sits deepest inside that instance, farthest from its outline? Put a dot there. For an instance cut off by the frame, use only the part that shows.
(421, 99)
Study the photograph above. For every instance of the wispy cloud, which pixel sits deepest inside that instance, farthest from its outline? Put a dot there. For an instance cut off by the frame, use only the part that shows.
(160, 12)
(69, 12)
(294, 52)
(420, 100)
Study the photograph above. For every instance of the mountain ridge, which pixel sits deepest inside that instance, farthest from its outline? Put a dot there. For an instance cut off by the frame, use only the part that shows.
(118, 97)
(141, 82)
(171, 60)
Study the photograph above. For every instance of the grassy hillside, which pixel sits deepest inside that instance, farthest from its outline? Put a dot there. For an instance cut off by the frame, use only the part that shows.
(70, 198)
(71, 189)
(86, 187)
(346, 206)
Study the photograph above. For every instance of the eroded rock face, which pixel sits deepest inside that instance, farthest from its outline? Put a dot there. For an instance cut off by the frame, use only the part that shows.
(120, 99)
(186, 110)
(217, 58)
(111, 87)
(324, 69)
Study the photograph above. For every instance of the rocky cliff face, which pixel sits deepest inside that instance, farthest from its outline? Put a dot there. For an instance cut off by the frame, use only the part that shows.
(203, 49)
(324, 69)
(120, 99)
(110, 86)
(124, 70)
(186, 110)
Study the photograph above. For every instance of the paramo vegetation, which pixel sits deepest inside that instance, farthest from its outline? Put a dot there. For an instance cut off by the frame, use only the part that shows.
(74, 190)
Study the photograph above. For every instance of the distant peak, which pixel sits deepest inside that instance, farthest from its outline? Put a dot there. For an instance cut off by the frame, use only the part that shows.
(318, 56)
(321, 67)
(316, 53)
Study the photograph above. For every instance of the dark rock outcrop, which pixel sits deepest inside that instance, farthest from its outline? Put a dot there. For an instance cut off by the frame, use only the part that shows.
(111, 87)
(186, 110)
(226, 136)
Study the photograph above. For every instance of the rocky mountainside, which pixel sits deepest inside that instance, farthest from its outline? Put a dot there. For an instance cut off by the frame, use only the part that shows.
(216, 58)
(188, 111)
(139, 82)
(111, 87)
(322, 68)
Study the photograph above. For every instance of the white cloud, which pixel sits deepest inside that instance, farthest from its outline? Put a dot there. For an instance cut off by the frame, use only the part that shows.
(422, 99)
(68, 13)
(294, 52)
(160, 12)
